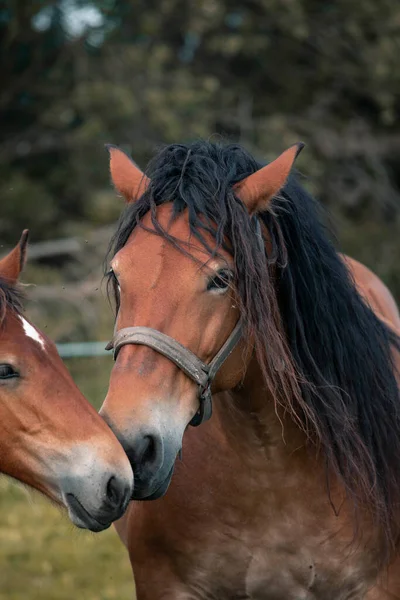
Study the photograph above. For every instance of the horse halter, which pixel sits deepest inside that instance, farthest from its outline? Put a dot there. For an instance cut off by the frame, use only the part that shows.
(201, 373)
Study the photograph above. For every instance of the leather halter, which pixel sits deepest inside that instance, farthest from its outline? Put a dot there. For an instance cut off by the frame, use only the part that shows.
(200, 372)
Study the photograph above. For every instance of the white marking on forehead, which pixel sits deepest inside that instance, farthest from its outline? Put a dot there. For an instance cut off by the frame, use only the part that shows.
(31, 332)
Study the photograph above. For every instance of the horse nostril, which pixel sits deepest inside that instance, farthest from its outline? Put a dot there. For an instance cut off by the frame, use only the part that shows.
(111, 491)
(146, 454)
(117, 492)
(149, 450)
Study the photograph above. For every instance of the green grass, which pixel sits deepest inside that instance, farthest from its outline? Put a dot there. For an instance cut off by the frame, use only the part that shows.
(42, 555)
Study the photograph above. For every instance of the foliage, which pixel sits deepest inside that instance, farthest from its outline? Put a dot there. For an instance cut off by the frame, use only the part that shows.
(136, 73)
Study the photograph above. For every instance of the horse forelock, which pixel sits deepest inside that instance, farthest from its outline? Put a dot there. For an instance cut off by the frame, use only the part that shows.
(10, 298)
(338, 381)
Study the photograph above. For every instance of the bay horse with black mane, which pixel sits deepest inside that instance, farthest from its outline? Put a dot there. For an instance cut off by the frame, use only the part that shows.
(232, 301)
(51, 438)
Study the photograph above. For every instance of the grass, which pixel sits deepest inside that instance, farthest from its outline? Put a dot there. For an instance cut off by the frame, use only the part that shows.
(42, 555)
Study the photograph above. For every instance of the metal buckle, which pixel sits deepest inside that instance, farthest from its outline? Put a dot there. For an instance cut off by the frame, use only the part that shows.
(205, 409)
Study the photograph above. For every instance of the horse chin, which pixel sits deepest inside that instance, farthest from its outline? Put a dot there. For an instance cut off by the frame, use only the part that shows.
(81, 517)
(158, 492)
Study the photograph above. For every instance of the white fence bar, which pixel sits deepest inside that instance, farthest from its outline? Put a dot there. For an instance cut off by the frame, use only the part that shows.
(83, 349)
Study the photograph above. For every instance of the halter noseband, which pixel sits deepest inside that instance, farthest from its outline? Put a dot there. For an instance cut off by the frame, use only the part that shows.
(200, 372)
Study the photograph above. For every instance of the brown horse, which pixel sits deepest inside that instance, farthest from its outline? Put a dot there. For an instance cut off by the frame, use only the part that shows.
(51, 438)
(229, 293)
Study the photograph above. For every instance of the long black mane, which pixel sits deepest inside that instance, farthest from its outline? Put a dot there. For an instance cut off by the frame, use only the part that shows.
(10, 298)
(339, 376)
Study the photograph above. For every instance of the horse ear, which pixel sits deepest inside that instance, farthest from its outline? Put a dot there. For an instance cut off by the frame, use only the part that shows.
(127, 178)
(258, 189)
(12, 264)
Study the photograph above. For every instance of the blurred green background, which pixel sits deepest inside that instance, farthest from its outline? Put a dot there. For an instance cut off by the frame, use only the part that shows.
(76, 74)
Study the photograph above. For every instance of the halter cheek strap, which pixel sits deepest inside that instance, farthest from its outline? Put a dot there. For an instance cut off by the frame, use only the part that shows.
(201, 373)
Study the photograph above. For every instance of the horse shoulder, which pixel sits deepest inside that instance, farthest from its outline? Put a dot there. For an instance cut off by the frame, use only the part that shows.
(375, 292)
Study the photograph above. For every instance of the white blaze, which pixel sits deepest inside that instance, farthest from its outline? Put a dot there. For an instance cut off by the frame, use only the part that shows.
(31, 332)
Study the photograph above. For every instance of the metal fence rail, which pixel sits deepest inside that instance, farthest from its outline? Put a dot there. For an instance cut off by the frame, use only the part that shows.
(83, 349)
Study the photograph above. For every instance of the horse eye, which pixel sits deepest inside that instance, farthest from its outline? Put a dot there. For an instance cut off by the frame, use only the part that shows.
(220, 282)
(110, 274)
(8, 372)
(116, 288)
(113, 279)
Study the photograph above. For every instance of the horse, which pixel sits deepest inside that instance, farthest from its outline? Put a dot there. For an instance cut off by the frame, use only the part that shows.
(51, 438)
(259, 367)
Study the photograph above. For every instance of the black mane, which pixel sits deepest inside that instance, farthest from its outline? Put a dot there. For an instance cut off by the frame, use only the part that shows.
(339, 381)
(10, 298)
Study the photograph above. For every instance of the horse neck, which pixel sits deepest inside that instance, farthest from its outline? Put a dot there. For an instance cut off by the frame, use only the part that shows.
(251, 418)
